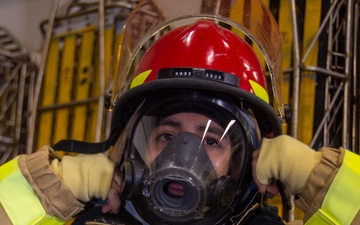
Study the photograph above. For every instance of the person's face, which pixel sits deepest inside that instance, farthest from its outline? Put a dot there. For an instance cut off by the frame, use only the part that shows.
(217, 145)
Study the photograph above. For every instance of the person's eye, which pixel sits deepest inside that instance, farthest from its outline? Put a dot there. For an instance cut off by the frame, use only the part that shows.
(211, 142)
(165, 137)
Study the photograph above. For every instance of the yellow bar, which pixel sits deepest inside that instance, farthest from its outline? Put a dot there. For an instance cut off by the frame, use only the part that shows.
(82, 85)
(65, 88)
(48, 95)
(110, 53)
(109, 58)
(237, 13)
(285, 25)
(308, 79)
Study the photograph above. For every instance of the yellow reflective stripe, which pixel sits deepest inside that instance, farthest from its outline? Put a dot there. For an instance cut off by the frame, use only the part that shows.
(259, 91)
(140, 79)
(19, 200)
(342, 202)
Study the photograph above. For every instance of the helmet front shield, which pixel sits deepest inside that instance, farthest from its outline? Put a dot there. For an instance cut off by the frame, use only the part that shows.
(153, 18)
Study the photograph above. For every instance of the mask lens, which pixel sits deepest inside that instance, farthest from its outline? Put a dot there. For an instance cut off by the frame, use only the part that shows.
(153, 134)
(193, 157)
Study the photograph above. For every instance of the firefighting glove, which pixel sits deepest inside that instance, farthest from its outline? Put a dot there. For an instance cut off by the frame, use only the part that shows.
(288, 160)
(87, 176)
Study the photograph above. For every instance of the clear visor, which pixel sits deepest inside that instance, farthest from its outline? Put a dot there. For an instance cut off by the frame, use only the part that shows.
(153, 18)
(203, 142)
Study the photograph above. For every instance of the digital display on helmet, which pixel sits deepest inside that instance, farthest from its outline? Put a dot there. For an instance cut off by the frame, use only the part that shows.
(199, 73)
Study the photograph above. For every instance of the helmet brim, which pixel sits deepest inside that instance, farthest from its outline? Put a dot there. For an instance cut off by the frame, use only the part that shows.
(129, 101)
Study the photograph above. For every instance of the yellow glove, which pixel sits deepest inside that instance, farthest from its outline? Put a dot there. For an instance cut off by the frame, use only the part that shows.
(288, 160)
(87, 176)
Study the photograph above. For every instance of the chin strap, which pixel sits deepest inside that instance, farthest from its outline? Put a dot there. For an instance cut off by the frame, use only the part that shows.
(118, 137)
(83, 147)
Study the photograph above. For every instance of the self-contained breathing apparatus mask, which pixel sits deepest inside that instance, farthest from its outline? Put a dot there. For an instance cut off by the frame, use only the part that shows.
(188, 158)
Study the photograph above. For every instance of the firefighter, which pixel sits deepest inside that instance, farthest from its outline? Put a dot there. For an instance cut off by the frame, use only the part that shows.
(201, 143)
(196, 110)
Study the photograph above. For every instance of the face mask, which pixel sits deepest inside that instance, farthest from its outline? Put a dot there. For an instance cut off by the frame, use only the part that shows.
(183, 183)
(183, 166)
(173, 173)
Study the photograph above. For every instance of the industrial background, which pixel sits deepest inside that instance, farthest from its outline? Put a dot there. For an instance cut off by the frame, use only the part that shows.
(57, 60)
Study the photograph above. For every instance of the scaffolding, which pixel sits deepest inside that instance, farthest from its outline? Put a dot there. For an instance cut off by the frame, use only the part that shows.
(17, 75)
(76, 76)
(336, 121)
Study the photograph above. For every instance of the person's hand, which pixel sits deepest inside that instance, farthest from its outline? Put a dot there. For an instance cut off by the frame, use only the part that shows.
(87, 176)
(263, 188)
(113, 198)
(285, 159)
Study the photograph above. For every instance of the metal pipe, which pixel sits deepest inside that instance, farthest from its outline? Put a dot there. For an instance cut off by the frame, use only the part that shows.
(296, 88)
(321, 28)
(355, 72)
(38, 84)
(347, 85)
(101, 70)
(328, 72)
(327, 99)
(68, 104)
(19, 109)
(12, 76)
(296, 73)
(326, 116)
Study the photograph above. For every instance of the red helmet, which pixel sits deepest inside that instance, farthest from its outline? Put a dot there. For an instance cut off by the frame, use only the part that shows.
(202, 56)
(205, 46)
